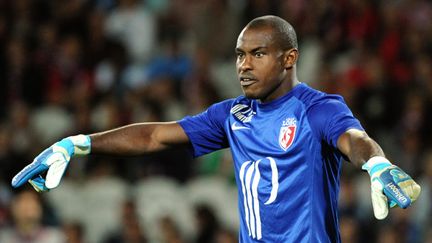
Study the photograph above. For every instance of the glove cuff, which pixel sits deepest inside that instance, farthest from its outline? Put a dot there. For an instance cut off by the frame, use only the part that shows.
(375, 164)
(73, 145)
(82, 144)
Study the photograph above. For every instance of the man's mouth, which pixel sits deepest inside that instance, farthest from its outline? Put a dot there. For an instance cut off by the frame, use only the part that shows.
(244, 81)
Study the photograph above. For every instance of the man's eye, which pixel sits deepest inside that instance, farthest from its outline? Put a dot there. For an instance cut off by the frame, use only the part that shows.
(259, 54)
(240, 55)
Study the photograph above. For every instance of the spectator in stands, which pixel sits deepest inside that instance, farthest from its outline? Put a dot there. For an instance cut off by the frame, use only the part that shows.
(27, 212)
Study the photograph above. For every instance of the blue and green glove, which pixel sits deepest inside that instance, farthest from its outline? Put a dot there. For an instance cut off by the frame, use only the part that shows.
(54, 160)
(390, 186)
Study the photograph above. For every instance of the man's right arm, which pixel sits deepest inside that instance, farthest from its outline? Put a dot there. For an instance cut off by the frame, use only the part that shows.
(134, 139)
(138, 138)
(205, 131)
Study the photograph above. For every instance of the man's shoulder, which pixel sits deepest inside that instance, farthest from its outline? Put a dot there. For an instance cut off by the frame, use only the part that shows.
(311, 97)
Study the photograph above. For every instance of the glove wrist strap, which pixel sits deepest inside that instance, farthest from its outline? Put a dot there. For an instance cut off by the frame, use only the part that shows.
(374, 162)
(82, 144)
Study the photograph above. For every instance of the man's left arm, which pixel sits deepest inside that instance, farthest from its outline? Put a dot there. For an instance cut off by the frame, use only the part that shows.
(390, 185)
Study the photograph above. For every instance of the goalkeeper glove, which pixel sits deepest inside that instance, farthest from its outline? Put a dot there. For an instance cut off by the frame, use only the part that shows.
(390, 186)
(55, 160)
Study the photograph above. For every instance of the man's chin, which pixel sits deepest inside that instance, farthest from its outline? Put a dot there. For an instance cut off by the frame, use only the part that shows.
(250, 95)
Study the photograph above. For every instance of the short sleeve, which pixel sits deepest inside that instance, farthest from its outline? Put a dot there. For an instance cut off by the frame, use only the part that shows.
(206, 130)
(329, 117)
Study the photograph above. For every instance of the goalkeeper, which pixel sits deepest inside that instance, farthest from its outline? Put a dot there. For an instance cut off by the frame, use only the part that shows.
(287, 142)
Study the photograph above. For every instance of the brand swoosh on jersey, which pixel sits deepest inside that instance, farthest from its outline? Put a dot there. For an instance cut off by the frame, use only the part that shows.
(234, 127)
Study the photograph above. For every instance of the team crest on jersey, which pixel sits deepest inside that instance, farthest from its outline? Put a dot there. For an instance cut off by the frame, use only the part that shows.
(287, 133)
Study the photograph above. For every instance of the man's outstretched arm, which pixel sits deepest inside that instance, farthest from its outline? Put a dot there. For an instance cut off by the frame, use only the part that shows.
(390, 185)
(139, 138)
(134, 139)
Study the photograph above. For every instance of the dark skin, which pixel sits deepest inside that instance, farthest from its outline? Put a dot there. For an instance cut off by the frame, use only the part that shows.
(266, 72)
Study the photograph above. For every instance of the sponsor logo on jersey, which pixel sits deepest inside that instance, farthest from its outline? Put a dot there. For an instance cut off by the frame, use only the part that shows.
(243, 112)
(287, 133)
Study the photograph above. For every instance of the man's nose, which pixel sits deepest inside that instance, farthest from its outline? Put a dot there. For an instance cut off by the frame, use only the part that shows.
(245, 64)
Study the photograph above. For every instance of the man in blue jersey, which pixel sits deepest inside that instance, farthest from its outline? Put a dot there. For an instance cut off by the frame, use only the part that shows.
(287, 141)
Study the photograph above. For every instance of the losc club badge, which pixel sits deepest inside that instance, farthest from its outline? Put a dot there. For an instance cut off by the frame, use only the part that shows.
(287, 133)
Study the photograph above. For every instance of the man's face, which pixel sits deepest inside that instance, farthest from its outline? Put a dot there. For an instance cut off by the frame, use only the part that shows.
(260, 66)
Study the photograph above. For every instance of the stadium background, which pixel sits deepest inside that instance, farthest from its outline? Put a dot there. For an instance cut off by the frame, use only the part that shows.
(80, 66)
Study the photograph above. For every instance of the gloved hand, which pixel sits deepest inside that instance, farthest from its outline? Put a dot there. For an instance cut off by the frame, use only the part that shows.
(390, 186)
(55, 159)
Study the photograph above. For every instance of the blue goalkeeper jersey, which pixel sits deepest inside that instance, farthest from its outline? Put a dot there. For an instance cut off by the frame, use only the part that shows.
(286, 161)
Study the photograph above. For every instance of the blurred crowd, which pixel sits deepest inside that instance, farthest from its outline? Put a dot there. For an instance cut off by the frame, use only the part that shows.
(81, 66)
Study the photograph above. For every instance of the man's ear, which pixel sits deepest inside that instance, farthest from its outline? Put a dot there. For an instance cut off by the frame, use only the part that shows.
(290, 58)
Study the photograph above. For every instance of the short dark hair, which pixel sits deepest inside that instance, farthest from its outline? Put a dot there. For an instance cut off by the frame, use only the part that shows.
(283, 32)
